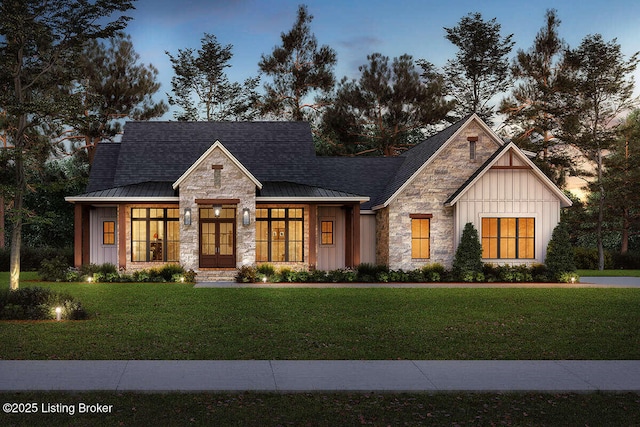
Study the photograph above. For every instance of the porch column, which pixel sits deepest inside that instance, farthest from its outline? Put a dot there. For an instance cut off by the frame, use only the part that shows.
(313, 230)
(122, 236)
(352, 235)
(80, 235)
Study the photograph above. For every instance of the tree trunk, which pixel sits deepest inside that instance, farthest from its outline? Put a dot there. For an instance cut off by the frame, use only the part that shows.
(2, 223)
(16, 232)
(626, 224)
(600, 212)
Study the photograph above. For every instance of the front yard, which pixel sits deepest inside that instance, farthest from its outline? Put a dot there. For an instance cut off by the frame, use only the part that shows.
(177, 321)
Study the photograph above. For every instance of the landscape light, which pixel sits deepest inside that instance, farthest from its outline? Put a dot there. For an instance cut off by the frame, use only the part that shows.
(58, 313)
(90, 279)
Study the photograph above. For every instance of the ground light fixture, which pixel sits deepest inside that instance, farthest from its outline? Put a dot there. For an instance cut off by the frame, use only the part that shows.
(58, 313)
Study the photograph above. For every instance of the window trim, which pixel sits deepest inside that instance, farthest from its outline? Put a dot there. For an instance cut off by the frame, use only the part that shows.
(517, 237)
(269, 219)
(330, 233)
(149, 239)
(111, 233)
(420, 217)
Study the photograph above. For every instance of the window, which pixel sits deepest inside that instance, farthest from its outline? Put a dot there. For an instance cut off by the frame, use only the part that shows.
(326, 231)
(155, 234)
(508, 238)
(279, 235)
(472, 147)
(108, 232)
(420, 236)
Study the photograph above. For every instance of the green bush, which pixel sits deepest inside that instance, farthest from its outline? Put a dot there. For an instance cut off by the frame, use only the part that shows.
(587, 259)
(433, 272)
(366, 272)
(560, 257)
(246, 274)
(35, 303)
(267, 270)
(467, 261)
(31, 258)
(628, 261)
(54, 269)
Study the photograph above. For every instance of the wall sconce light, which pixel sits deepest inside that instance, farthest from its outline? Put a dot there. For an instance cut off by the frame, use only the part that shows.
(187, 216)
(246, 218)
(217, 210)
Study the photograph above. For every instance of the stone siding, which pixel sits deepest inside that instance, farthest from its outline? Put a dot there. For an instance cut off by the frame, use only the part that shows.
(427, 193)
(234, 184)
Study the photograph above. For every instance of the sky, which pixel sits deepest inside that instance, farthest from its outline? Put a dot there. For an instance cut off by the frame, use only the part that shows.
(357, 28)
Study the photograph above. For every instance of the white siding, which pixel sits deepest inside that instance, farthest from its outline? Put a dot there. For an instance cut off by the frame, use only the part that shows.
(331, 257)
(367, 239)
(511, 193)
(100, 253)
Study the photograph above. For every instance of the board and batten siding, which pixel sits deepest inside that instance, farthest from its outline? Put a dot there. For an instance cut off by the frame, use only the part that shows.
(367, 239)
(100, 253)
(510, 193)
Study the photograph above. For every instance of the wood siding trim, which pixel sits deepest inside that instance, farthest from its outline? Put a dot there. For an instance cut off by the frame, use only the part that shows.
(420, 216)
(122, 236)
(217, 201)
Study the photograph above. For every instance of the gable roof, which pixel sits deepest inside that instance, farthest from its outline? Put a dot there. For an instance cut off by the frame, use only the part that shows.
(453, 199)
(205, 155)
(153, 158)
(418, 158)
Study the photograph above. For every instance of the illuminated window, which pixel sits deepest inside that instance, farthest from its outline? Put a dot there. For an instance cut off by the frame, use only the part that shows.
(279, 235)
(508, 238)
(155, 234)
(109, 233)
(326, 232)
(420, 236)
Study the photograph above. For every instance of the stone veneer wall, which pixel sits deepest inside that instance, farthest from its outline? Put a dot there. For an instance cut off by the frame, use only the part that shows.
(427, 194)
(234, 184)
(382, 236)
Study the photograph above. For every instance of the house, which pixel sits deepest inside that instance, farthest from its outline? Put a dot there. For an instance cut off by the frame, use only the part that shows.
(214, 196)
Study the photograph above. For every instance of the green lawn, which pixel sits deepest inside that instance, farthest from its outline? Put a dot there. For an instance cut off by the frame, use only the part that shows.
(609, 273)
(177, 321)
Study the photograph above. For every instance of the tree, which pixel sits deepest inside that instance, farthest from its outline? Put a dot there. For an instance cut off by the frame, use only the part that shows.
(467, 261)
(480, 69)
(112, 86)
(388, 108)
(559, 258)
(603, 89)
(298, 69)
(621, 180)
(201, 75)
(535, 106)
(40, 42)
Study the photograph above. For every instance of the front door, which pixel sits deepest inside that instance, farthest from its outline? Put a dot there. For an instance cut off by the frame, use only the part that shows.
(217, 239)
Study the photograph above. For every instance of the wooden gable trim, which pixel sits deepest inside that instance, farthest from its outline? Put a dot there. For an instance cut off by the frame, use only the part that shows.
(511, 166)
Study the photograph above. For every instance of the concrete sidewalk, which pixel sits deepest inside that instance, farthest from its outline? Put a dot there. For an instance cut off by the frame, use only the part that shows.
(320, 376)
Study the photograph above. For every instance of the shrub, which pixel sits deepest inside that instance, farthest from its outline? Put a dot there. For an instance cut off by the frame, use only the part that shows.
(559, 253)
(169, 271)
(366, 272)
(628, 261)
(246, 274)
(587, 258)
(433, 272)
(266, 269)
(35, 303)
(190, 276)
(467, 262)
(54, 269)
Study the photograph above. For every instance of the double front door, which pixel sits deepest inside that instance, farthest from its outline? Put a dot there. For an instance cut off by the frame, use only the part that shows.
(218, 239)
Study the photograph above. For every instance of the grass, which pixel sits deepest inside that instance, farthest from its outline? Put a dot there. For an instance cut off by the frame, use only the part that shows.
(609, 273)
(320, 409)
(176, 321)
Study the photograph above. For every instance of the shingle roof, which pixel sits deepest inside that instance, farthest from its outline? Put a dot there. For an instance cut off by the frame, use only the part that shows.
(274, 152)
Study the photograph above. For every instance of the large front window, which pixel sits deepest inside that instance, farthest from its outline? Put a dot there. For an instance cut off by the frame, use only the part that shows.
(279, 235)
(511, 238)
(155, 234)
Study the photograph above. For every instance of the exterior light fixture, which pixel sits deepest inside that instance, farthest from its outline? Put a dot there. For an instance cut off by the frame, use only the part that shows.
(90, 279)
(246, 218)
(264, 279)
(58, 313)
(573, 279)
(217, 210)
(187, 216)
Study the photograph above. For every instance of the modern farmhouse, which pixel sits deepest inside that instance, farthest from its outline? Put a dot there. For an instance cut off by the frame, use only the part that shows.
(213, 196)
